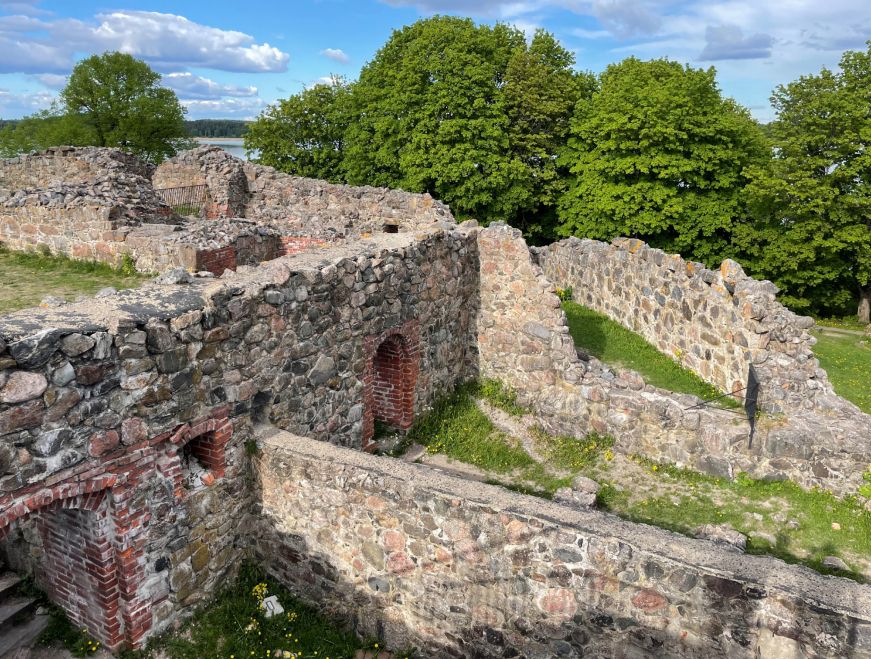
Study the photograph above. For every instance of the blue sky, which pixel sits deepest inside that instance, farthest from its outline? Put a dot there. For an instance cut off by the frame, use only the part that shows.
(230, 58)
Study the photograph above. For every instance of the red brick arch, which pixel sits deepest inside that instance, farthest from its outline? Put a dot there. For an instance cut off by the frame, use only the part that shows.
(392, 367)
(81, 495)
(83, 568)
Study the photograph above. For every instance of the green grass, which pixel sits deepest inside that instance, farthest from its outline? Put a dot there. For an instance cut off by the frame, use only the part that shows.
(498, 395)
(456, 427)
(233, 626)
(847, 322)
(847, 360)
(29, 277)
(790, 523)
(615, 345)
(749, 505)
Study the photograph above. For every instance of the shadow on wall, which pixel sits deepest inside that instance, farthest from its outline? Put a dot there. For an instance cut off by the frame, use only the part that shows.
(487, 615)
(450, 576)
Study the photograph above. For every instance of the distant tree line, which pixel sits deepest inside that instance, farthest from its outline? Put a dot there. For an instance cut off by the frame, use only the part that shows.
(505, 128)
(216, 127)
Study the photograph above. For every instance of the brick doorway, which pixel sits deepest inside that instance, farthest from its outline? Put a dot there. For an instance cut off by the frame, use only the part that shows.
(78, 567)
(391, 376)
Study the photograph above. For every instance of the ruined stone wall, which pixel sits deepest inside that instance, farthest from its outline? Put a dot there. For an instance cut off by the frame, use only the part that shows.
(77, 202)
(523, 340)
(117, 395)
(66, 165)
(311, 207)
(298, 206)
(716, 323)
(211, 166)
(460, 568)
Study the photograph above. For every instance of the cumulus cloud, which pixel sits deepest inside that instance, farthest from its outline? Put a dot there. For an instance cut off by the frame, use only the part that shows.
(728, 42)
(19, 104)
(191, 87)
(24, 56)
(166, 41)
(226, 108)
(171, 41)
(843, 37)
(625, 18)
(336, 54)
(52, 80)
(490, 8)
(619, 17)
(22, 7)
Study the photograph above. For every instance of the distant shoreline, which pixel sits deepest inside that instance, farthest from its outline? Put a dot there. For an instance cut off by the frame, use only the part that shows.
(233, 140)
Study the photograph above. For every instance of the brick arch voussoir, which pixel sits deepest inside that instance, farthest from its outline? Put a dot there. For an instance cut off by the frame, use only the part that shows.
(81, 495)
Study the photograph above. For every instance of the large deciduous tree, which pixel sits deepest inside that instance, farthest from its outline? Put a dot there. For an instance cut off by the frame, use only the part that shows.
(657, 153)
(541, 89)
(430, 116)
(812, 204)
(304, 134)
(119, 98)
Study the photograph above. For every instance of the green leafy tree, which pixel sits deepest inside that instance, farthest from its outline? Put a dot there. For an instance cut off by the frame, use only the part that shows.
(541, 90)
(430, 116)
(42, 130)
(813, 202)
(119, 98)
(304, 134)
(657, 153)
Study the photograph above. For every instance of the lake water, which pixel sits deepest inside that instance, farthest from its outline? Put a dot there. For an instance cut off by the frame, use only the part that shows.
(232, 145)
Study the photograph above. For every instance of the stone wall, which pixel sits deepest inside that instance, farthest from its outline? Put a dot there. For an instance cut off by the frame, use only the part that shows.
(148, 397)
(211, 166)
(65, 165)
(298, 206)
(310, 207)
(716, 323)
(523, 340)
(463, 569)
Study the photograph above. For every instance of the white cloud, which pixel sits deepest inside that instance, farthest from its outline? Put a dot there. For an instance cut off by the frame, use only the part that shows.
(24, 56)
(166, 41)
(19, 104)
(225, 108)
(728, 42)
(22, 7)
(52, 80)
(190, 87)
(336, 54)
(581, 33)
(171, 41)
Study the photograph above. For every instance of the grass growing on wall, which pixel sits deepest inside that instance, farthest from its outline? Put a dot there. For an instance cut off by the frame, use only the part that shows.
(779, 517)
(847, 360)
(615, 345)
(29, 277)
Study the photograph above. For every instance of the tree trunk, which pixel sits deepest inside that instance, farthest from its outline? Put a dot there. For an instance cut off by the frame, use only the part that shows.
(864, 312)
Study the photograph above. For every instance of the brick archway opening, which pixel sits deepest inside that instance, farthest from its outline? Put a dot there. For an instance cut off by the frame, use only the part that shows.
(390, 380)
(78, 567)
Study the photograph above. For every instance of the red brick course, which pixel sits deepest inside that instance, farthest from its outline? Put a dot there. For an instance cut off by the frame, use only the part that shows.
(216, 260)
(94, 529)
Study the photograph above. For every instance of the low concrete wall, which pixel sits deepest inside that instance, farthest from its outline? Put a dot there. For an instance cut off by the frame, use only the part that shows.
(463, 569)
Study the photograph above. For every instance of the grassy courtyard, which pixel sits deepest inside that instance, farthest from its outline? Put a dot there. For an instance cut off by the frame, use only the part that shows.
(617, 346)
(778, 518)
(847, 360)
(29, 277)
